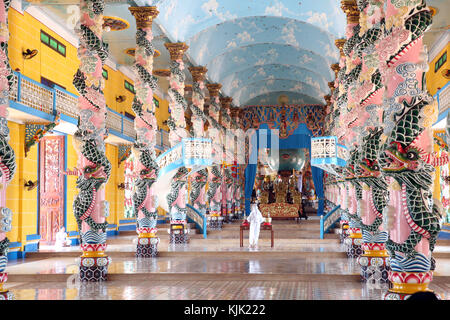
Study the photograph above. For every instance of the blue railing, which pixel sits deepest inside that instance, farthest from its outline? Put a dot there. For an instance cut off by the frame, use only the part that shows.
(198, 218)
(327, 221)
(39, 100)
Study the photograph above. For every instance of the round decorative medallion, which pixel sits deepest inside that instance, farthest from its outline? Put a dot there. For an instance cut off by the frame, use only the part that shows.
(115, 23)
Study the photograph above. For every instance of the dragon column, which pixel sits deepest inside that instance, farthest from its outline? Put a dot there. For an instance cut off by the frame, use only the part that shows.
(215, 132)
(89, 206)
(227, 182)
(144, 201)
(176, 199)
(199, 178)
(7, 156)
(405, 157)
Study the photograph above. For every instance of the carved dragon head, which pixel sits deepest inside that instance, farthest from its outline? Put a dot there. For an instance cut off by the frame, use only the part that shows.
(399, 156)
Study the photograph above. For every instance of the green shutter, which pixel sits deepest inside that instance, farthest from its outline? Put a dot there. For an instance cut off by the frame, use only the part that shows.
(61, 49)
(44, 38)
(53, 44)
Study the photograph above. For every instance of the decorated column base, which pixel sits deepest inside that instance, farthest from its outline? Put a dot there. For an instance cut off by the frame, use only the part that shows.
(374, 264)
(178, 233)
(4, 294)
(354, 244)
(343, 232)
(215, 222)
(94, 263)
(147, 245)
(405, 284)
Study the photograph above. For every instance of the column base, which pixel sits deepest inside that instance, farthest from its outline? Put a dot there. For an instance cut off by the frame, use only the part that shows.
(405, 284)
(391, 295)
(147, 245)
(94, 269)
(215, 223)
(6, 295)
(354, 247)
(179, 238)
(374, 269)
(146, 250)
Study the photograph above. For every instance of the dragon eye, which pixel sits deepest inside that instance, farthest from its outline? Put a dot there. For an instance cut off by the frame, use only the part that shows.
(411, 155)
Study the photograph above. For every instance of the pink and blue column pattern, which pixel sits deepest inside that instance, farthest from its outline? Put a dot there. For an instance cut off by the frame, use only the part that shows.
(409, 112)
(215, 133)
(7, 156)
(369, 94)
(90, 207)
(199, 178)
(145, 202)
(227, 189)
(177, 197)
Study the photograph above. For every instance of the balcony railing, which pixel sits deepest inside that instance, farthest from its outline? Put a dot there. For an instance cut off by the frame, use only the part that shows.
(37, 96)
(443, 100)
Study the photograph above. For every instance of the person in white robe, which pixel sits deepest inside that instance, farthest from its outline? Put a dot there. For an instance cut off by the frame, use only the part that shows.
(61, 238)
(255, 219)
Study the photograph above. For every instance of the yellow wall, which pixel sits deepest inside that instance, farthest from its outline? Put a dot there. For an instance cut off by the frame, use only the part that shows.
(436, 80)
(23, 203)
(162, 113)
(25, 34)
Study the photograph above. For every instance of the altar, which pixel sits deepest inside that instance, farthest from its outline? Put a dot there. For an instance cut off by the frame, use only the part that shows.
(281, 210)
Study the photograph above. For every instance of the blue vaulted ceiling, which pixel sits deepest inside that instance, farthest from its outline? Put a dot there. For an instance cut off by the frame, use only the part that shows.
(259, 50)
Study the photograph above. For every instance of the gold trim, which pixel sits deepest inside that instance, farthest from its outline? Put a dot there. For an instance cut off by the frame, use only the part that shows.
(409, 288)
(375, 253)
(350, 8)
(161, 72)
(146, 235)
(118, 19)
(176, 50)
(144, 16)
(198, 73)
(93, 254)
(213, 89)
(355, 235)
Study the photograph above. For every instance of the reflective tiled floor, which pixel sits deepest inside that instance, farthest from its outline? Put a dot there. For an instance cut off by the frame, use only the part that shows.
(297, 268)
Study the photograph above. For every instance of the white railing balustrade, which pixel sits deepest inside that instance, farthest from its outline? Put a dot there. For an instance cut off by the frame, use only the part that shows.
(113, 121)
(128, 128)
(35, 96)
(328, 155)
(66, 103)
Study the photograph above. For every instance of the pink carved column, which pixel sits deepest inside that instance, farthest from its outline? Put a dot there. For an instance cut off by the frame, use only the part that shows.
(409, 112)
(199, 178)
(144, 200)
(215, 133)
(227, 182)
(177, 123)
(7, 156)
(90, 207)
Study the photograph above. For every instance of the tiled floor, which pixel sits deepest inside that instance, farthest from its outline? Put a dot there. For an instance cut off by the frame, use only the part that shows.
(263, 274)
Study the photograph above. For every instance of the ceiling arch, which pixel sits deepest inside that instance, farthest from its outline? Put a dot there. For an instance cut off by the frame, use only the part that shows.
(237, 80)
(260, 54)
(241, 32)
(256, 88)
(271, 98)
(184, 19)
